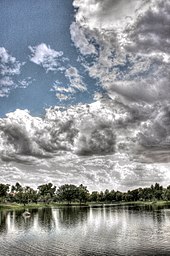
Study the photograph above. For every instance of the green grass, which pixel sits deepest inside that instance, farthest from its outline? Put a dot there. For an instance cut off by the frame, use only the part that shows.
(15, 206)
(156, 203)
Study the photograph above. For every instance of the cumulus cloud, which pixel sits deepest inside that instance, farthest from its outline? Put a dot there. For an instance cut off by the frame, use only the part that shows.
(105, 143)
(109, 15)
(48, 58)
(132, 65)
(132, 38)
(105, 127)
(10, 68)
(82, 130)
(80, 40)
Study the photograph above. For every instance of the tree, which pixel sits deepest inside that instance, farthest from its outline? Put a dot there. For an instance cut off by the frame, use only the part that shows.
(158, 187)
(67, 192)
(23, 195)
(82, 194)
(94, 197)
(107, 196)
(30, 194)
(118, 196)
(166, 194)
(47, 191)
(101, 196)
(112, 195)
(157, 191)
(135, 194)
(18, 187)
(4, 188)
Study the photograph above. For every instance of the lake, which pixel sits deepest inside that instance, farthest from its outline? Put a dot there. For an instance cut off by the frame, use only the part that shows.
(105, 230)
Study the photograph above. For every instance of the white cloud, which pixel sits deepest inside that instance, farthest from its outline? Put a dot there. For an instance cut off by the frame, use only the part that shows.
(144, 32)
(81, 129)
(106, 127)
(25, 82)
(107, 143)
(6, 81)
(75, 79)
(133, 62)
(107, 14)
(75, 84)
(48, 58)
(62, 96)
(6, 84)
(8, 65)
(52, 60)
(58, 88)
(10, 68)
(80, 40)
(137, 29)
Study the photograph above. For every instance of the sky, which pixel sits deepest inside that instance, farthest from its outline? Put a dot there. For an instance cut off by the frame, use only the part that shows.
(84, 92)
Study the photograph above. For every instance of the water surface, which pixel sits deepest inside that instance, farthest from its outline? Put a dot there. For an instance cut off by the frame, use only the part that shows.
(66, 231)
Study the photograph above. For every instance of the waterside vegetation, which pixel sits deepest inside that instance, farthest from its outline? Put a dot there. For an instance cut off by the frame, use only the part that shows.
(18, 196)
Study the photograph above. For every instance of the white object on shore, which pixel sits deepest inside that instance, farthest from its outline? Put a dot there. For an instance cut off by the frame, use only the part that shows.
(26, 214)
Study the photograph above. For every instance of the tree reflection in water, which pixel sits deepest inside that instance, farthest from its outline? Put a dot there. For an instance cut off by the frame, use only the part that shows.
(86, 231)
(43, 218)
(72, 216)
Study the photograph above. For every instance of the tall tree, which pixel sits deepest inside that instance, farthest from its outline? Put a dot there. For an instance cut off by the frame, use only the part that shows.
(82, 194)
(47, 189)
(94, 197)
(4, 188)
(67, 192)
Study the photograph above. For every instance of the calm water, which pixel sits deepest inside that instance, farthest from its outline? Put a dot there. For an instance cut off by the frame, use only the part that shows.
(86, 231)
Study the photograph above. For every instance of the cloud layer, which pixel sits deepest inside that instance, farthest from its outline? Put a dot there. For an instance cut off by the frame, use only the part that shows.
(103, 144)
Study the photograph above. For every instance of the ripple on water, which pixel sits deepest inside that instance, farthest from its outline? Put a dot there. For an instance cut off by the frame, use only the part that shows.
(105, 231)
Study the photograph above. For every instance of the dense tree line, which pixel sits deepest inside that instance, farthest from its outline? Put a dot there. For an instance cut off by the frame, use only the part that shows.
(69, 193)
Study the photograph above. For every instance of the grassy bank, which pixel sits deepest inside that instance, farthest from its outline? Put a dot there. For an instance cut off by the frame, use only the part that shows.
(137, 203)
(15, 206)
(157, 203)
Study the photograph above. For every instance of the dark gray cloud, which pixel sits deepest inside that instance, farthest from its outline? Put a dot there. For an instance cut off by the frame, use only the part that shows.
(150, 33)
(100, 140)
(156, 133)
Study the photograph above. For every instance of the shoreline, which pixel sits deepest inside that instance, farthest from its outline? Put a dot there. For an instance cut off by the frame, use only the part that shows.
(15, 206)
